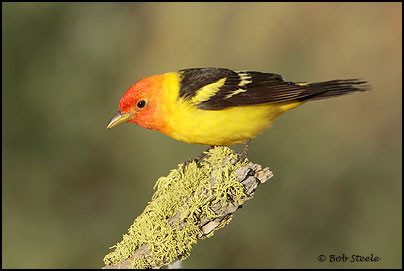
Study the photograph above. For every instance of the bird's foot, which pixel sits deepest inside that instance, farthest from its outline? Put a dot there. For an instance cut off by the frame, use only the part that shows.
(196, 159)
(241, 156)
(189, 161)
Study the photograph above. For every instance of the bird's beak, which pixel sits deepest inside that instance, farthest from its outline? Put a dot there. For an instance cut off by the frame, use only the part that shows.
(119, 118)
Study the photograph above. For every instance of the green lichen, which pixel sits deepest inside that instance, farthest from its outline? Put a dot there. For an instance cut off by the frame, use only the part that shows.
(169, 225)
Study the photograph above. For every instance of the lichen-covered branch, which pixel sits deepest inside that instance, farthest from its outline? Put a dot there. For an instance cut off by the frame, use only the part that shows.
(187, 206)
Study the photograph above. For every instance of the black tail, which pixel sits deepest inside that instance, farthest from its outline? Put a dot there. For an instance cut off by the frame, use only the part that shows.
(328, 89)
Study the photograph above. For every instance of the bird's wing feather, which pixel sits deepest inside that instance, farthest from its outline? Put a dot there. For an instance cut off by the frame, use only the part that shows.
(216, 88)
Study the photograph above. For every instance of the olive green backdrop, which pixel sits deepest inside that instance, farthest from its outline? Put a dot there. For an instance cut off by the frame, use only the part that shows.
(71, 188)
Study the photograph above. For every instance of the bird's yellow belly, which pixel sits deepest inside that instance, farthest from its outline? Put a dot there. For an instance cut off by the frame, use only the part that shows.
(222, 127)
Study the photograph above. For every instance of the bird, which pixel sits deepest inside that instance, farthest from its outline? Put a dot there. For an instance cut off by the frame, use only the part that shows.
(219, 106)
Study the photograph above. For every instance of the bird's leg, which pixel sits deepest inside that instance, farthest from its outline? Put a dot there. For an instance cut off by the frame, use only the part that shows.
(243, 154)
(196, 159)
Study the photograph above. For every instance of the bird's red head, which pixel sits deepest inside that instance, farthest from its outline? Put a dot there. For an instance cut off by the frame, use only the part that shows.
(140, 104)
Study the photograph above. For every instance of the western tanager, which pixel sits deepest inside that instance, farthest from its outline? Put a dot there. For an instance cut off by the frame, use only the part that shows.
(215, 106)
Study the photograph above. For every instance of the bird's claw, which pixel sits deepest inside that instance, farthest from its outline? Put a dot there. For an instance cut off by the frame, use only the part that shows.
(189, 161)
(196, 159)
(241, 156)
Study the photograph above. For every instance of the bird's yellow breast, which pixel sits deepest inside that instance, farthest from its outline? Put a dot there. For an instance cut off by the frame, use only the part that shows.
(186, 122)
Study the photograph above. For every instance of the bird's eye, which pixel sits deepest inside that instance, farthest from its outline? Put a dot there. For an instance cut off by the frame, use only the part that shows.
(141, 104)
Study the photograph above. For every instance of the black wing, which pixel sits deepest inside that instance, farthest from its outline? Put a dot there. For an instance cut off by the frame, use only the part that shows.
(243, 88)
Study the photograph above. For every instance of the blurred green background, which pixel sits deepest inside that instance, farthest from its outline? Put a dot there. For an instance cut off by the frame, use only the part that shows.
(71, 188)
